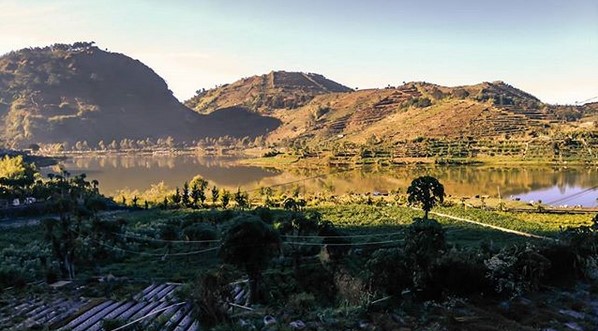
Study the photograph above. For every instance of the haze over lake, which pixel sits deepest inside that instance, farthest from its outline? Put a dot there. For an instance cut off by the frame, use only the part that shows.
(562, 185)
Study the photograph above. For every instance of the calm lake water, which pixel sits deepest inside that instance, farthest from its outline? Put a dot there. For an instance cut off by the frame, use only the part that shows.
(557, 185)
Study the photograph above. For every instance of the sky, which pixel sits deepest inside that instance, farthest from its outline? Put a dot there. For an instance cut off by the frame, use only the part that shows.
(548, 48)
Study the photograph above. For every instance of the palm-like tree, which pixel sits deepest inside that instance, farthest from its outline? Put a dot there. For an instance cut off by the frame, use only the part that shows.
(249, 245)
(425, 191)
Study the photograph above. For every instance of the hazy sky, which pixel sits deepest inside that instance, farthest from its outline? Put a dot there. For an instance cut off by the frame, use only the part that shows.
(546, 47)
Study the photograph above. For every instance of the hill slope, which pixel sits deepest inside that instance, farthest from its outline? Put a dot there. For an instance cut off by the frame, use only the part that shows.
(276, 90)
(485, 110)
(66, 93)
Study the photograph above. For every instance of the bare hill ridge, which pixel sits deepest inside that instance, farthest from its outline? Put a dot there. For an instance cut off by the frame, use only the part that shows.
(264, 93)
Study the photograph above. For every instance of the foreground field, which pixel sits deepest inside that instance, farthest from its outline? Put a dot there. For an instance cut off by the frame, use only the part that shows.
(160, 246)
(153, 259)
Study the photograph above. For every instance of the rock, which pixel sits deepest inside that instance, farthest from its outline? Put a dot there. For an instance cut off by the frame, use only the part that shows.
(573, 326)
(572, 313)
(246, 325)
(364, 325)
(398, 319)
(269, 320)
(525, 301)
(297, 325)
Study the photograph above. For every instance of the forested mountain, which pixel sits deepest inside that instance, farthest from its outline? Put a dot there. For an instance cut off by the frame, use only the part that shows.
(68, 93)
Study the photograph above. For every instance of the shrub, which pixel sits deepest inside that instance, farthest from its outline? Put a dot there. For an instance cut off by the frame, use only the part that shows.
(517, 269)
(583, 242)
(460, 273)
(316, 280)
(199, 231)
(424, 243)
(387, 271)
(350, 287)
(564, 265)
(301, 303)
(209, 295)
(249, 245)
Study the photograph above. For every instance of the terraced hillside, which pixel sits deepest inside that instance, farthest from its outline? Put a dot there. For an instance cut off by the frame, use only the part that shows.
(317, 110)
(407, 112)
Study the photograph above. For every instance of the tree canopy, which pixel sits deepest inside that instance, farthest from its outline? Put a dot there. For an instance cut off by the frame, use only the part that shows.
(426, 192)
(250, 244)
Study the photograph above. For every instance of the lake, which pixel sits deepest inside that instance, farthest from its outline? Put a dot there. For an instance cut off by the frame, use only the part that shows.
(554, 185)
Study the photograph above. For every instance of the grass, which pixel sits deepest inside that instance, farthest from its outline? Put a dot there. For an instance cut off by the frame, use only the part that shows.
(535, 223)
(364, 219)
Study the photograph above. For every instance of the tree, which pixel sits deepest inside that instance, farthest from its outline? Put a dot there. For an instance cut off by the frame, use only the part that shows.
(64, 241)
(176, 197)
(215, 194)
(425, 191)
(201, 185)
(249, 245)
(241, 198)
(267, 193)
(290, 204)
(225, 198)
(195, 195)
(95, 184)
(186, 196)
(15, 172)
(34, 147)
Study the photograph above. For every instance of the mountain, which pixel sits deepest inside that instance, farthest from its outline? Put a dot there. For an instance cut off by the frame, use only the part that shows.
(67, 93)
(319, 112)
(276, 90)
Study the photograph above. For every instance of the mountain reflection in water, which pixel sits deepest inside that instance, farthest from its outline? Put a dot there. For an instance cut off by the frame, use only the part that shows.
(548, 184)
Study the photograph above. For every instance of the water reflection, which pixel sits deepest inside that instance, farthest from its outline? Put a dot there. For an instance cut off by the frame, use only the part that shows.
(528, 183)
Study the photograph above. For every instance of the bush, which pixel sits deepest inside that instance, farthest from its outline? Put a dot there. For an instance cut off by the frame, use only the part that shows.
(209, 295)
(12, 277)
(350, 287)
(583, 243)
(564, 265)
(301, 303)
(424, 242)
(387, 271)
(460, 273)
(517, 269)
(200, 232)
(316, 280)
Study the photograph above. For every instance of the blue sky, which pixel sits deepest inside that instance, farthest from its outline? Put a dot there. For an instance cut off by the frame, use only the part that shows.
(548, 48)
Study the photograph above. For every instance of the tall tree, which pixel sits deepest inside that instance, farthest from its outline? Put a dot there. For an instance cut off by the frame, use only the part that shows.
(225, 198)
(250, 244)
(241, 198)
(215, 194)
(426, 192)
(185, 195)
